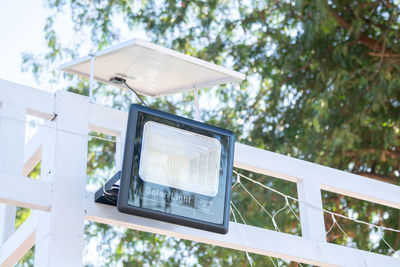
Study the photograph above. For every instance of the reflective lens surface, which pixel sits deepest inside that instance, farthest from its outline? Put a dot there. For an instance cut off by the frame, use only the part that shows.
(181, 159)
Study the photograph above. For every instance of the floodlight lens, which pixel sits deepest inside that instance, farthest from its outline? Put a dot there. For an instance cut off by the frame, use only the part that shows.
(180, 159)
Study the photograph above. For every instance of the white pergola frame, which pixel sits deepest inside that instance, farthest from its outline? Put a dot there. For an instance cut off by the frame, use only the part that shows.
(61, 203)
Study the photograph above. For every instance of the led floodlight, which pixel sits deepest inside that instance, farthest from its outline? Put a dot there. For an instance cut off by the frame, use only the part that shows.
(180, 159)
(174, 169)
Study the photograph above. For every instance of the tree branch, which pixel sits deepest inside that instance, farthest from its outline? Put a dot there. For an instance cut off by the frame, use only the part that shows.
(389, 5)
(372, 44)
(383, 55)
(384, 154)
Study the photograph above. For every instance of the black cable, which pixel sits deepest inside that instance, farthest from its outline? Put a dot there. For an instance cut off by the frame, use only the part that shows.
(119, 80)
(124, 82)
(111, 194)
(113, 200)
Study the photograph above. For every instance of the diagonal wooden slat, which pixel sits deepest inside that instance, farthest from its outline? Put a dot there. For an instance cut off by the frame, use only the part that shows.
(33, 151)
(19, 243)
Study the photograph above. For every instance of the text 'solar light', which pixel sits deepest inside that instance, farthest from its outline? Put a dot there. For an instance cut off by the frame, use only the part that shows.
(176, 170)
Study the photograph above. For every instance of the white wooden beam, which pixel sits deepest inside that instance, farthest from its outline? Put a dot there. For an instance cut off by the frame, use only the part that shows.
(65, 222)
(245, 238)
(294, 170)
(12, 136)
(33, 151)
(46, 174)
(259, 161)
(37, 102)
(19, 243)
(24, 192)
(106, 120)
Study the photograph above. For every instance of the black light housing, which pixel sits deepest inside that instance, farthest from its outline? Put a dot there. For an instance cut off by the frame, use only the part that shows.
(175, 170)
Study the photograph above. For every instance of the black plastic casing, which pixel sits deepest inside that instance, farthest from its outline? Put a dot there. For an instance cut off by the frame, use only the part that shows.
(131, 158)
(99, 196)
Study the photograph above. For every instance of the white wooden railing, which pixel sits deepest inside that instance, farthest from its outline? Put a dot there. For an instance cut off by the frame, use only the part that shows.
(61, 202)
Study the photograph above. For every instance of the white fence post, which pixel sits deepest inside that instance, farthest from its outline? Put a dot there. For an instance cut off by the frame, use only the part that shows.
(46, 174)
(311, 214)
(59, 241)
(12, 137)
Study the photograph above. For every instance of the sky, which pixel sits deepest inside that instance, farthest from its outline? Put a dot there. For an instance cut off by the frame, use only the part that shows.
(21, 30)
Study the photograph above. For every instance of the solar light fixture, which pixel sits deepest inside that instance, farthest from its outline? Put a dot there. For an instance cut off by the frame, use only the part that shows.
(174, 169)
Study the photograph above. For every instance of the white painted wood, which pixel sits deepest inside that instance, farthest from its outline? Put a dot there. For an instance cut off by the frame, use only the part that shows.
(19, 243)
(21, 191)
(63, 246)
(294, 170)
(260, 161)
(12, 137)
(245, 238)
(46, 174)
(311, 216)
(48, 151)
(106, 120)
(33, 151)
(7, 219)
(38, 103)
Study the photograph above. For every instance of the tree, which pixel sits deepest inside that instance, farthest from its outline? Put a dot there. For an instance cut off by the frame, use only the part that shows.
(322, 85)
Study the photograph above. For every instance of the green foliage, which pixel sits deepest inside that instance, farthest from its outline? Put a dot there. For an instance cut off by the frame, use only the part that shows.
(322, 84)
